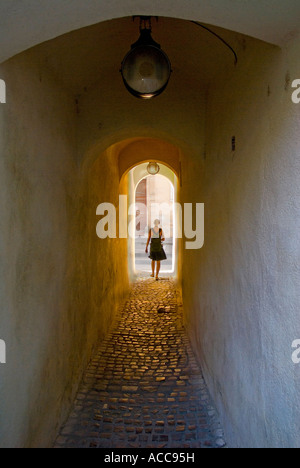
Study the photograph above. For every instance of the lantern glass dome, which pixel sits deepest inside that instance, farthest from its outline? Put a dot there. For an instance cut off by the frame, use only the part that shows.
(146, 69)
(153, 168)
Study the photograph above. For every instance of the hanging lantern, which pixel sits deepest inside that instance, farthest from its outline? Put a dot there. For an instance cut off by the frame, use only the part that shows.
(146, 69)
(153, 168)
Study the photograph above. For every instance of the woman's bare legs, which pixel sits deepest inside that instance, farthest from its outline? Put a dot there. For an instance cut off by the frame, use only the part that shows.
(157, 269)
(153, 268)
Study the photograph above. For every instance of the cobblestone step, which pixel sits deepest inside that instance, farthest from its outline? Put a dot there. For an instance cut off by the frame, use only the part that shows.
(144, 388)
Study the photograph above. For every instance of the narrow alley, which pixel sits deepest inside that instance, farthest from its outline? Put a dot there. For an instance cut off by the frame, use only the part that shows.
(144, 388)
(117, 118)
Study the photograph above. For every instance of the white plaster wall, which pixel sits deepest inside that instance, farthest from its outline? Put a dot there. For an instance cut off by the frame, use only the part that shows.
(242, 300)
(37, 140)
(56, 277)
(105, 261)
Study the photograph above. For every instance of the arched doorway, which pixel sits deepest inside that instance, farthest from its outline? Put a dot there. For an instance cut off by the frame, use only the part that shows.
(134, 156)
(154, 199)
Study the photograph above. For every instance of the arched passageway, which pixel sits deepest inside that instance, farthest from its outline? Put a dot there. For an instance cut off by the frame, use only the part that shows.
(155, 200)
(154, 197)
(84, 134)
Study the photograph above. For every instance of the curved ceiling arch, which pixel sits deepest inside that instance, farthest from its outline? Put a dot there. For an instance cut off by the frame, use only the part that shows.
(137, 147)
(139, 151)
(26, 23)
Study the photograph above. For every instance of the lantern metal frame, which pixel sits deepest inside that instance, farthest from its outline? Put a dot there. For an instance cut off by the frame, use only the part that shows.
(144, 43)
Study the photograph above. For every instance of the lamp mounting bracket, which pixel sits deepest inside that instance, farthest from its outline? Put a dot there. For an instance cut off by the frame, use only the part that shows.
(145, 21)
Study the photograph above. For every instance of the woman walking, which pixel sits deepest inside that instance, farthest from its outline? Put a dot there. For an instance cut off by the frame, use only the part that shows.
(157, 253)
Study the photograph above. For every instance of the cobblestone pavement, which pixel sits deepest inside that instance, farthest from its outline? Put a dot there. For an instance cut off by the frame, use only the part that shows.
(143, 388)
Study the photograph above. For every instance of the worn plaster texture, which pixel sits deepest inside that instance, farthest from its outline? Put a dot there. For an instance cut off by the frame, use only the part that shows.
(244, 291)
(56, 295)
